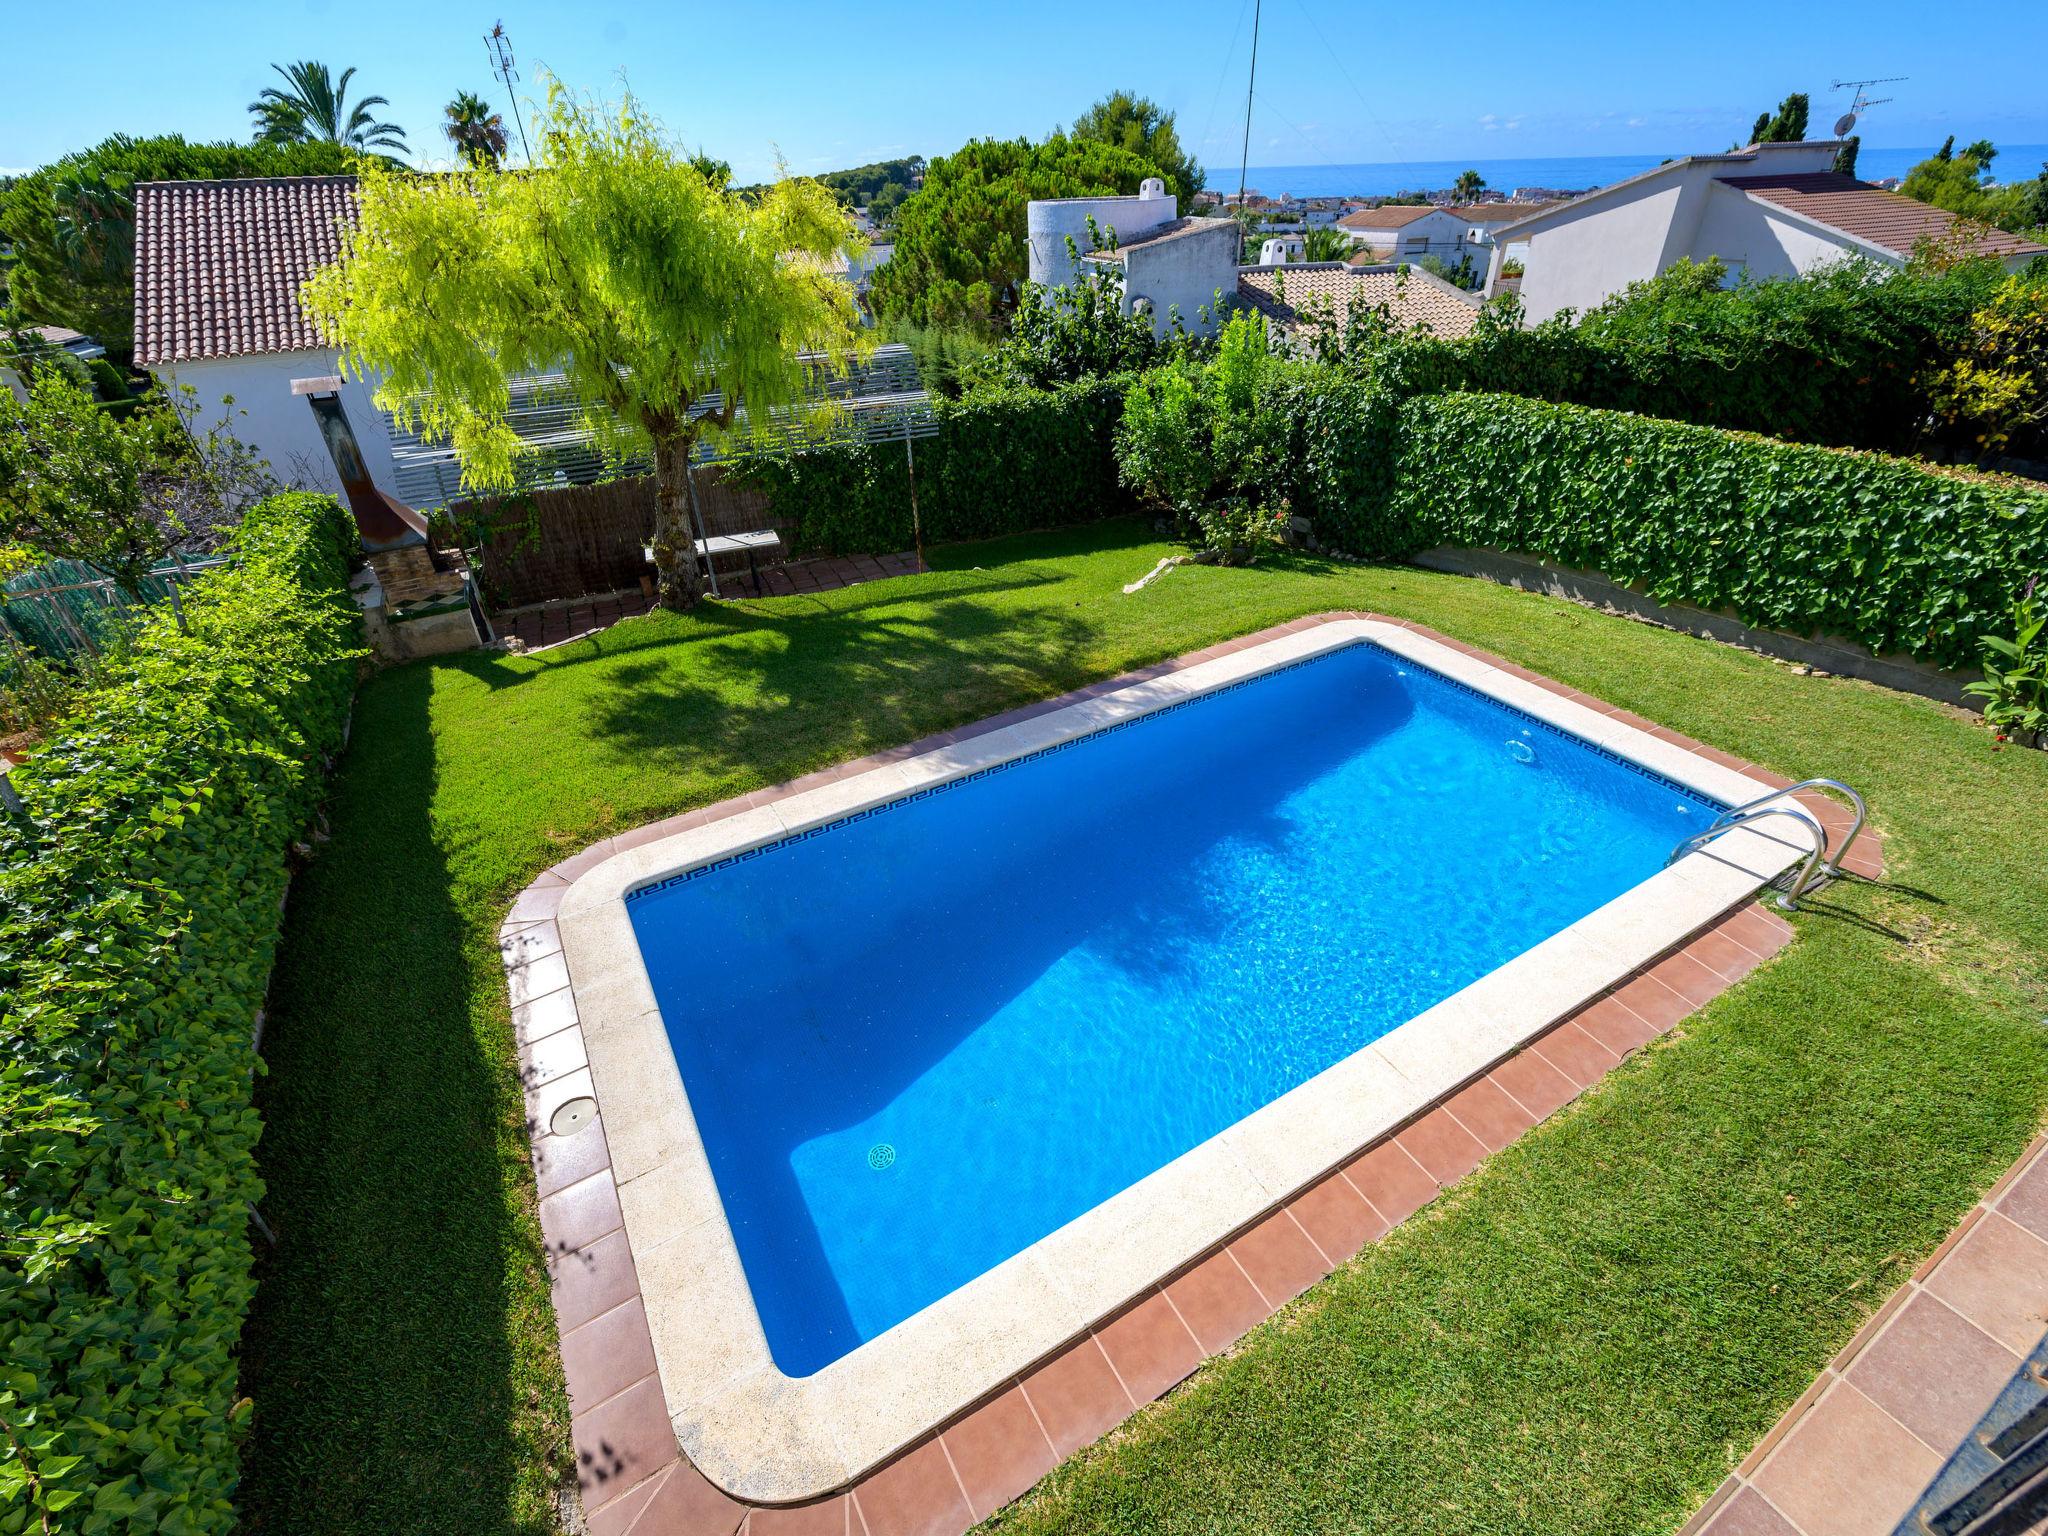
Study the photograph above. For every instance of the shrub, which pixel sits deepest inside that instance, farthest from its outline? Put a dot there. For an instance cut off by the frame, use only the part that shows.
(1893, 555)
(1004, 460)
(138, 915)
(2015, 684)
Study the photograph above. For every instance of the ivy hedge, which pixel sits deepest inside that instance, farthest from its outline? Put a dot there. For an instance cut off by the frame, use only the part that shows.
(139, 909)
(1898, 556)
(1004, 460)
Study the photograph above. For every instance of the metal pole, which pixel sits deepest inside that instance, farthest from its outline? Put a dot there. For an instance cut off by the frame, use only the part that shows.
(916, 527)
(1244, 158)
(696, 511)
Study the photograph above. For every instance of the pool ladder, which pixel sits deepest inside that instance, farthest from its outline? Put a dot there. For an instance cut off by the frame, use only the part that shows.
(1813, 871)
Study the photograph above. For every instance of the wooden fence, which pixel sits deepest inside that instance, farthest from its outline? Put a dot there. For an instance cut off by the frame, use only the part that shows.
(580, 540)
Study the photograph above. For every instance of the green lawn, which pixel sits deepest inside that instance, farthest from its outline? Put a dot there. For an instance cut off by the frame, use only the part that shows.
(1584, 1337)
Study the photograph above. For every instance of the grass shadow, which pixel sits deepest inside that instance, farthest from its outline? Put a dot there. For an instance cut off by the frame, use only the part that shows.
(407, 1269)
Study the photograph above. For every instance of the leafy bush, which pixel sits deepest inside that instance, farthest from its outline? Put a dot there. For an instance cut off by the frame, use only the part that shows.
(1894, 555)
(1080, 330)
(1005, 460)
(1994, 397)
(1203, 443)
(2015, 684)
(138, 915)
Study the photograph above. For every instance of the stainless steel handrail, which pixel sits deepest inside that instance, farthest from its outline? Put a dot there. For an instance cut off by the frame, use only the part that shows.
(1834, 864)
(1745, 815)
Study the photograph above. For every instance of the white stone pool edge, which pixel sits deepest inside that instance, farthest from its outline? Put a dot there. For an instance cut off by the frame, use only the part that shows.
(774, 1439)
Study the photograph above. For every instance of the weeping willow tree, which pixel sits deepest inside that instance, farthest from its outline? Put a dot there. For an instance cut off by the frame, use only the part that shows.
(668, 304)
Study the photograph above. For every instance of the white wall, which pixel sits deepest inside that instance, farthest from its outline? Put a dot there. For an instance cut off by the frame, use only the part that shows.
(1185, 273)
(1751, 235)
(279, 425)
(1049, 223)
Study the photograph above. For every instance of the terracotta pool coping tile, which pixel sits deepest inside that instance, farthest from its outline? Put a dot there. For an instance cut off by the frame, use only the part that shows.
(1533, 1083)
(622, 1443)
(1749, 1513)
(1873, 1325)
(689, 1504)
(1390, 1178)
(1149, 1347)
(1337, 1218)
(536, 978)
(1997, 1277)
(1646, 996)
(2024, 1199)
(603, 1357)
(616, 1518)
(577, 865)
(998, 1451)
(1217, 1301)
(828, 1517)
(1730, 1485)
(1572, 1050)
(1934, 1371)
(1754, 932)
(575, 1217)
(1696, 983)
(1078, 1396)
(1847, 1468)
(1934, 1260)
(1279, 1258)
(559, 1161)
(1444, 1148)
(530, 942)
(1723, 954)
(917, 1494)
(592, 1280)
(1761, 1451)
(1490, 1113)
(538, 903)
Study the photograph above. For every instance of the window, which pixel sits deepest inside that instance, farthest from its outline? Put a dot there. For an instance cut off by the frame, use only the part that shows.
(1419, 246)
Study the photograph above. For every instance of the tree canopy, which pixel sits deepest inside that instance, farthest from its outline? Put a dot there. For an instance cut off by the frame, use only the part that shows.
(1960, 181)
(666, 301)
(477, 132)
(961, 255)
(315, 105)
(72, 223)
(1786, 126)
(1132, 122)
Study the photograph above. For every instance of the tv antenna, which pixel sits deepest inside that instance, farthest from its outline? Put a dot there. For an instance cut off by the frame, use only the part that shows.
(1244, 157)
(1862, 101)
(506, 68)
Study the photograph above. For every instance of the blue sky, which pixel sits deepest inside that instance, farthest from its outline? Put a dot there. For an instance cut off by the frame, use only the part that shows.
(842, 84)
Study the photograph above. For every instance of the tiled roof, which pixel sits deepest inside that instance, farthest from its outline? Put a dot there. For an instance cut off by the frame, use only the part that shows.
(1390, 217)
(1418, 299)
(1501, 213)
(1172, 229)
(218, 264)
(1863, 212)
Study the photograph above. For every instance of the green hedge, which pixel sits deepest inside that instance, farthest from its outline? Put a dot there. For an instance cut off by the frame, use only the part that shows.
(138, 915)
(1892, 554)
(1004, 460)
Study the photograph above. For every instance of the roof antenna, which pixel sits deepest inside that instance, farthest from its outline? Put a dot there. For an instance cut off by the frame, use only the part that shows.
(1245, 157)
(1861, 102)
(504, 66)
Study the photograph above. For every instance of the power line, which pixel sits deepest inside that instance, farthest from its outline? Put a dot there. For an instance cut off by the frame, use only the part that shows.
(1245, 156)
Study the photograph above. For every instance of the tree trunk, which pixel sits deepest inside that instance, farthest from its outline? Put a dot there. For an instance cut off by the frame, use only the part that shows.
(679, 581)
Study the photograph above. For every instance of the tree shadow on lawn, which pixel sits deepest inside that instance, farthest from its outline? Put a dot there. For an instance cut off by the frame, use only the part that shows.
(399, 1352)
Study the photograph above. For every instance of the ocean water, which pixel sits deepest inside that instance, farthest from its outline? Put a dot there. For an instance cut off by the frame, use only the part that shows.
(1566, 173)
(918, 1042)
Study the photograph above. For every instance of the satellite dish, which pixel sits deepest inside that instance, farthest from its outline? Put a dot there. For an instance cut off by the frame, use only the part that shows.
(1843, 124)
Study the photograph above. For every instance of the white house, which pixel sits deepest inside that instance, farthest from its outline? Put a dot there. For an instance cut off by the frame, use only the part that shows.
(1408, 232)
(1170, 265)
(1770, 210)
(218, 266)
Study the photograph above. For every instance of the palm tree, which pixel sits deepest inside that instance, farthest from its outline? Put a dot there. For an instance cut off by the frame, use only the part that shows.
(1468, 185)
(317, 107)
(477, 132)
(1325, 242)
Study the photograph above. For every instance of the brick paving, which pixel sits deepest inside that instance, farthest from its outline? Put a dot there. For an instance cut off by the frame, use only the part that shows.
(556, 623)
(632, 1474)
(1854, 1453)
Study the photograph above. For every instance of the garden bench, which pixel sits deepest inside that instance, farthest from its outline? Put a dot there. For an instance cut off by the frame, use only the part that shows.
(748, 544)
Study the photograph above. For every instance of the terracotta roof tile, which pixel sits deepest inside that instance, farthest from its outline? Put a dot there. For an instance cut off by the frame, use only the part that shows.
(218, 264)
(1419, 299)
(1387, 217)
(1173, 229)
(1867, 213)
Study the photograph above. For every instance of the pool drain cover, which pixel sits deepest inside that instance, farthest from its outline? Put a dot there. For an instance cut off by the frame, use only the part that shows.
(573, 1116)
(881, 1155)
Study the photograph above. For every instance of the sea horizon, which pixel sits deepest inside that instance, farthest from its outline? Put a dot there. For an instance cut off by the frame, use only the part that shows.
(1568, 173)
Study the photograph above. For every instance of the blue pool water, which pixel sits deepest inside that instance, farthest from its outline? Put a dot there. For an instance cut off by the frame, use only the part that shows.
(920, 1041)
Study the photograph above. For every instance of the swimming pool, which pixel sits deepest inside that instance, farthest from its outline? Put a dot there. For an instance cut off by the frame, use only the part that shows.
(922, 1038)
(867, 1049)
